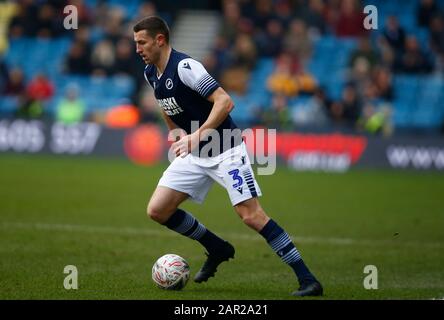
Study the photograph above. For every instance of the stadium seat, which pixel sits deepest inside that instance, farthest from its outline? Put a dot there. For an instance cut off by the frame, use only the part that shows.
(8, 105)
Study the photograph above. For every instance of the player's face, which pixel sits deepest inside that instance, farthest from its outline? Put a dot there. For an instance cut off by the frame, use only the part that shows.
(147, 47)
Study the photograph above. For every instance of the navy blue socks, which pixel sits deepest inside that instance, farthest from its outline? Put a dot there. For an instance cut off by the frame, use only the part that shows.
(185, 224)
(281, 243)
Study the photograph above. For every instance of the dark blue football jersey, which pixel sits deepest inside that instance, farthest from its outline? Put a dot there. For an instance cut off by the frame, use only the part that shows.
(181, 92)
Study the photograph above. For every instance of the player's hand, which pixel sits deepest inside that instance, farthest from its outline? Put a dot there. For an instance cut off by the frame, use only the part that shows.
(185, 145)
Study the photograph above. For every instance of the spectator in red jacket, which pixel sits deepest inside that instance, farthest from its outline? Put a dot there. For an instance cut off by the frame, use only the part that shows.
(40, 88)
(38, 91)
(350, 21)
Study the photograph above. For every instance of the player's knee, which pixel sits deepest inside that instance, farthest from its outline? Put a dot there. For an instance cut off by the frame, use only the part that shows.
(255, 219)
(249, 220)
(156, 213)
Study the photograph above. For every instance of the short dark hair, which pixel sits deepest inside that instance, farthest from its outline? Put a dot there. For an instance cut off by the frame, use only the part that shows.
(153, 26)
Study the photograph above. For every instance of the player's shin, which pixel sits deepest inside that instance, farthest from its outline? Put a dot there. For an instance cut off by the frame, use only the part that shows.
(187, 225)
(281, 243)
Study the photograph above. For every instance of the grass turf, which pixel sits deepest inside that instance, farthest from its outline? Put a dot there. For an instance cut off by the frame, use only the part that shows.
(91, 213)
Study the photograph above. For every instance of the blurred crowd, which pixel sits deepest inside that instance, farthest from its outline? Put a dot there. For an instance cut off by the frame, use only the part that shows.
(283, 30)
(286, 30)
(102, 46)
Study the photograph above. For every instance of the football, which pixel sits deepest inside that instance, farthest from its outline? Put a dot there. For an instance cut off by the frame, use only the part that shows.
(171, 272)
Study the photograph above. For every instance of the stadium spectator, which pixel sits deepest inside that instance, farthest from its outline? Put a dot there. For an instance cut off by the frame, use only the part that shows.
(312, 14)
(38, 92)
(437, 35)
(261, 14)
(350, 21)
(235, 79)
(278, 116)
(283, 81)
(78, 59)
(369, 93)
(383, 80)
(113, 29)
(297, 41)
(331, 13)
(244, 53)
(70, 109)
(283, 12)
(24, 23)
(231, 19)
(4, 75)
(83, 35)
(28, 108)
(437, 41)
(323, 102)
(40, 88)
(49, 24)
(289, 78)
(8, 10)
(103, 58)
(241, 59)
(84, 14)
(59, 4)
(311, 112)
(347, 110)
(269, 41)
(100, 16)
(375, 120)
(426, 10)
(149, 110)
(218, 58)
(413, 59)
(15, 83)
(250, 31)
(394, 34)
(146, 9)
(124, 59)
(362, 61)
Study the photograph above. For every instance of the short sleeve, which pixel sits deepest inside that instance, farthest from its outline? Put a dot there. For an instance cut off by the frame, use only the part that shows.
(193, 74)
(146, 73)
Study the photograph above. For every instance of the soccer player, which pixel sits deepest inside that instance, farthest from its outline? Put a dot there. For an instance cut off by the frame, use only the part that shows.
(187, 93)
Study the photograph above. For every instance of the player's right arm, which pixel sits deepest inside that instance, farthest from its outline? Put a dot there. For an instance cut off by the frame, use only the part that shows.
(174, 132)
(170, 124)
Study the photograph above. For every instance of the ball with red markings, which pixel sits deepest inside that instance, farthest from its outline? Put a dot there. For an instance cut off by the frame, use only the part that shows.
(171, 272)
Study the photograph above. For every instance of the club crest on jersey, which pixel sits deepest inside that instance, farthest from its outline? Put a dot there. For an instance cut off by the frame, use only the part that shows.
(169, 84)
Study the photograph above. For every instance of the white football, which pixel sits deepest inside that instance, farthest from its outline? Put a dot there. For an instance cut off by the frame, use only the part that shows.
(171, 272)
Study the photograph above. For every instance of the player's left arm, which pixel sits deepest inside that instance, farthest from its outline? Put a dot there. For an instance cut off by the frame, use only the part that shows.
(222, 106)
(193, 74)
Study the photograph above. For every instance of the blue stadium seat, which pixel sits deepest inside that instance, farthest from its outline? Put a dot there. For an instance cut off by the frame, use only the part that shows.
(406, 87)
(401, 115)
(120, 86)
(8, 105)
(243, 108)
(47, 55)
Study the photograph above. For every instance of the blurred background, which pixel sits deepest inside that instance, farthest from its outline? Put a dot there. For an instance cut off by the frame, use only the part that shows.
(306, 66)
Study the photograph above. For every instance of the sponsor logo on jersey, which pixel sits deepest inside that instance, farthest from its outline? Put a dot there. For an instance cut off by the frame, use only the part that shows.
(170, 106)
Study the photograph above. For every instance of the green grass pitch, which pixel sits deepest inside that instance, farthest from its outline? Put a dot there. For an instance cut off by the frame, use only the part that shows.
(91, 213)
